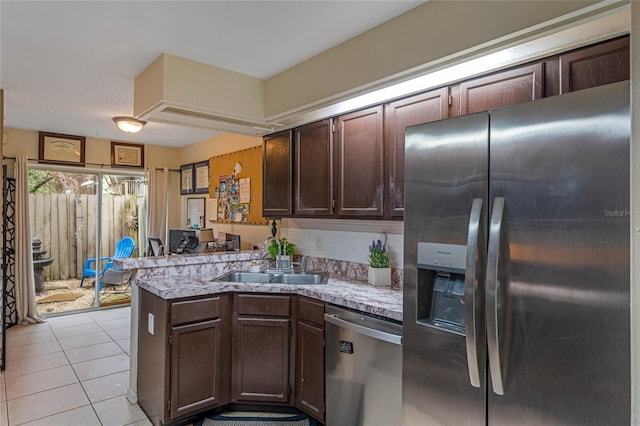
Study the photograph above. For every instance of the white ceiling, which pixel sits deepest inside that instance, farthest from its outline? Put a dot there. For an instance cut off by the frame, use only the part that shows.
(69, 66)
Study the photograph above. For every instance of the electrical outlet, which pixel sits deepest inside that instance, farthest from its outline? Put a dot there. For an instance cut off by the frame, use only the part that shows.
(318, 242)
(150, 323)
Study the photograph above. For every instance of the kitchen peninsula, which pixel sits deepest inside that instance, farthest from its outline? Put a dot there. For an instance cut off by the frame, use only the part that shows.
(184, 322)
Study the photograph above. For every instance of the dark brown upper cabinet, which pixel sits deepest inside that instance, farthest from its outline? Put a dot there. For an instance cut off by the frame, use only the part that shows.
(596, 65)
(360, 161)
(347, 167)
(313, 169)
(276, 170)
(398, 115)
(510, 87)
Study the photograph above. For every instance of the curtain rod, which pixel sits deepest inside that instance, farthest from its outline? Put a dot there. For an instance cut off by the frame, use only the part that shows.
(101, 165)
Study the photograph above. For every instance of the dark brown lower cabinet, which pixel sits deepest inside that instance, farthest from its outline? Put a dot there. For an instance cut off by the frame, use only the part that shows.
(262, 349)
(310, 358)
(185, 363)
(184, 355)
(195, 353)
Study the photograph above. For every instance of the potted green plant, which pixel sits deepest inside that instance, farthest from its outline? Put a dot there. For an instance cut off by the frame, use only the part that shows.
(287, 248)
(379, 269)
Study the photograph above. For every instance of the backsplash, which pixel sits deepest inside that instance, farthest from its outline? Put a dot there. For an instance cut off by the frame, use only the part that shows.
(350, 270)
(215, 264)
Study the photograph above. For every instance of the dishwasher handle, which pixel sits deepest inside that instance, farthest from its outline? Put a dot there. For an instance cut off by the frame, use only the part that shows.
(371, 332)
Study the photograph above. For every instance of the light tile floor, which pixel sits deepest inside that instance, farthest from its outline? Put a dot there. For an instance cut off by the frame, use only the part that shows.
(70, 370)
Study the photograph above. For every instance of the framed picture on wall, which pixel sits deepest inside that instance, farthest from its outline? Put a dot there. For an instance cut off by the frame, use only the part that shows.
(186, 179)
(201, 171)
(61, 149)
(127, 154)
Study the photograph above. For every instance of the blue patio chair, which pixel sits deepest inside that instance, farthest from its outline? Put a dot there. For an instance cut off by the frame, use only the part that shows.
(124, 248)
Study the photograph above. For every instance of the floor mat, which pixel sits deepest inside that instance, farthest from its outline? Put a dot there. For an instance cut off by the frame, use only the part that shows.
(280, 420)
(115, 299)
(60, 297)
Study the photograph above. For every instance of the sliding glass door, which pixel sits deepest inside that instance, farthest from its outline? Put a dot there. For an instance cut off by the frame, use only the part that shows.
(79, 217)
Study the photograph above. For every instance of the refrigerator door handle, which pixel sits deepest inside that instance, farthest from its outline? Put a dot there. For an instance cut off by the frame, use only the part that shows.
(496, 309)
(475, 259)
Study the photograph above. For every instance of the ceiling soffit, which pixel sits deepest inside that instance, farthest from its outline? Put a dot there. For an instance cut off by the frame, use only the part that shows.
(181, 91)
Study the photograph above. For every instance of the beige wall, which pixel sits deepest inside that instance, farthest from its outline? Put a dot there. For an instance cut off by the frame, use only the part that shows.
(98, 151)
(251, 235)
(429, 37)
(423, 35)
(179, 82)
(217, 145)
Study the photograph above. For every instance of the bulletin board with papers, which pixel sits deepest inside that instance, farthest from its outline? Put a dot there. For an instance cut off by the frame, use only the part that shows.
(235, 187)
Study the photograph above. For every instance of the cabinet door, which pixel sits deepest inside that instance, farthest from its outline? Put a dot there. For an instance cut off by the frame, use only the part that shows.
(310, 370)
(153, 359)
(276, 170)
(314, 169)
(515, 86)
(595, 65)
(195, 372)
(360, 163)
(430, 106)
(261, 361)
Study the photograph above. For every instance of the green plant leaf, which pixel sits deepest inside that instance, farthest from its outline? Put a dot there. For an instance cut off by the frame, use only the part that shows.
(378, 258)
(289, 248)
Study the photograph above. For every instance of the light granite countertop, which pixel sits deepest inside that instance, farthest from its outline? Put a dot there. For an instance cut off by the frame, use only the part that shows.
(172, 277)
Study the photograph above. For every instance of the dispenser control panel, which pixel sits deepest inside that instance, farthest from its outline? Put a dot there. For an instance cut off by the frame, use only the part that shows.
(438, 256)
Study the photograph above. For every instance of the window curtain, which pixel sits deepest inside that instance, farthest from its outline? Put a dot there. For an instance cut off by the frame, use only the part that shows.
(157, 208)
(26, 305)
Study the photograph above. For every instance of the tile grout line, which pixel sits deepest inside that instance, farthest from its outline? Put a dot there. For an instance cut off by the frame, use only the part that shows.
(81, 382)
(75, 374)
(77, 378)
(70, 364)
(5, 389)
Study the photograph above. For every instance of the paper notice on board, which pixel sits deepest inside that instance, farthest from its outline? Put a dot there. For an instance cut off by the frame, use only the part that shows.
(245, 191)
(213, 208)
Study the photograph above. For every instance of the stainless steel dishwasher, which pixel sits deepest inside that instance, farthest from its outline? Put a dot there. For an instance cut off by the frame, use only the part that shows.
(363, 369)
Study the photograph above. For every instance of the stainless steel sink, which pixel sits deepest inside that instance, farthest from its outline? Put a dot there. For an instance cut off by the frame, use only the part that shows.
(245, 277)
(309, 278)
(263, 277)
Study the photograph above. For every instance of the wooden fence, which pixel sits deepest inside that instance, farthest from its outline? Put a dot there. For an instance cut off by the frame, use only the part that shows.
(66, 224)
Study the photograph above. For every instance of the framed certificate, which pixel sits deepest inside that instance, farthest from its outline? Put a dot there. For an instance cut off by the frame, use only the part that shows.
(61, 149)
(201, 171)
(127, 154)
(186, 179)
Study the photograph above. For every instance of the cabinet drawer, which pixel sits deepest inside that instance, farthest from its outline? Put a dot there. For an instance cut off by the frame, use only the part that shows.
(195, 310)
(261, 305)
(311, 311)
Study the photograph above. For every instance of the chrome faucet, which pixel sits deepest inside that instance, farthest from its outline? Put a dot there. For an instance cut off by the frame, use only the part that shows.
(264, 244)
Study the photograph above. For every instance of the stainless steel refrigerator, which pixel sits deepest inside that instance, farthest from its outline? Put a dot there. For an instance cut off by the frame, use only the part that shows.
(516, 275)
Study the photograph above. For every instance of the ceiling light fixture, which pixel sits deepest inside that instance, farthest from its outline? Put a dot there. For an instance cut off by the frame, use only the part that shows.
(129, 124)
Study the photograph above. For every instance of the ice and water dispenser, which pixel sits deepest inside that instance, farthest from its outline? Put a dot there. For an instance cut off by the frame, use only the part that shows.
(441, 286)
